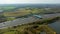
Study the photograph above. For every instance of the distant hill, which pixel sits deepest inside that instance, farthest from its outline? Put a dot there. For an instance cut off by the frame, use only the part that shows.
(32, 5)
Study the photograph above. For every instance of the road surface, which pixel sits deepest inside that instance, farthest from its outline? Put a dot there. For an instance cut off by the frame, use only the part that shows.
(25, 20)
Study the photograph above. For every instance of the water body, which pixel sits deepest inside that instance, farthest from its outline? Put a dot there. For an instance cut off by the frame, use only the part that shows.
(56, 26)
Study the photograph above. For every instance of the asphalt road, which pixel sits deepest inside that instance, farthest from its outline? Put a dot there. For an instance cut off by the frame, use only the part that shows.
(25, 20)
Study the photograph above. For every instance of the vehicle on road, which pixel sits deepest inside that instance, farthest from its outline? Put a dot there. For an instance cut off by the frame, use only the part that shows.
(37, 16)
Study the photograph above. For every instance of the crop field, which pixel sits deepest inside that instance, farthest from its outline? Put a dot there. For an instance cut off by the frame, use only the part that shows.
(7, 8)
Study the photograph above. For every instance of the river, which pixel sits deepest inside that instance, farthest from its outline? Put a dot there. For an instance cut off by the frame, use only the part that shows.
(55, 26)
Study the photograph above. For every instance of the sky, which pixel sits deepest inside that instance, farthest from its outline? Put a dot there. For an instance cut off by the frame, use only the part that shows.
(29, 1)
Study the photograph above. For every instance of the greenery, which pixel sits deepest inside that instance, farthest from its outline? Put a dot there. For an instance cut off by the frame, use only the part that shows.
(30, 28)
(11, 13)
(10, 18)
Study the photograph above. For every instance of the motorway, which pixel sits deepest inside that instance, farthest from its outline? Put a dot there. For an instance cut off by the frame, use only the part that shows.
(31, 19)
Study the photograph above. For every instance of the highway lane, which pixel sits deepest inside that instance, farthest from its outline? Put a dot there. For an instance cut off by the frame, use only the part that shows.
(20, 21)
(17, 22)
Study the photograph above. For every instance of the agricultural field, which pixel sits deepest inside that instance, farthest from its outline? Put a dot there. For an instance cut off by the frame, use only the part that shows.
(15, 12)
(7, 8)
(26, 11)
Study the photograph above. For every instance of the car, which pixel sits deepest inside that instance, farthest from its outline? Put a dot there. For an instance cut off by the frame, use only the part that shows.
(37, 16)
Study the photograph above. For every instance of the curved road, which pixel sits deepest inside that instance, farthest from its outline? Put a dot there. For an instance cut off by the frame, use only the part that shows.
(25, 20)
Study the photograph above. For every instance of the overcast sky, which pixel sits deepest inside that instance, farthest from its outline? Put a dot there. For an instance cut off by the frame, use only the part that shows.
(28, 1)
